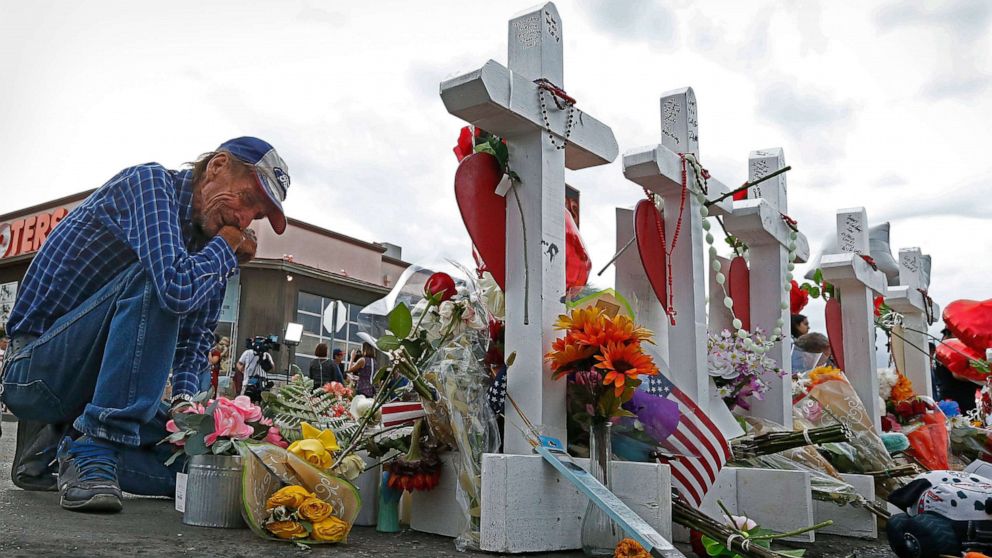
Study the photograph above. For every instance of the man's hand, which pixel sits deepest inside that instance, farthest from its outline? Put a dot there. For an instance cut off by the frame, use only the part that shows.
(243, 243)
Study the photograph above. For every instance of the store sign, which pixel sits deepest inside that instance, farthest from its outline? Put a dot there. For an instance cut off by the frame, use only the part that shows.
(27, 234)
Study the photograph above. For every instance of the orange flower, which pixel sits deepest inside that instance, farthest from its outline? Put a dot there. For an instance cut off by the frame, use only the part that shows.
(824, 374)
(579, 318)
(903, 389)
(625, 329)
(629, 548)
(564, 352)
(622, 361)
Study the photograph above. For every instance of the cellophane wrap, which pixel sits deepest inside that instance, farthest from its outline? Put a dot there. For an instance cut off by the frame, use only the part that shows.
(267, 468)
(825, 480)
(832, 399)
(462, 381)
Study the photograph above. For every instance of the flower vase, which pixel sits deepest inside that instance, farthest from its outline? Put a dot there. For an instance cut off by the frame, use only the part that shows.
(389, 507)
(213, 492)
(600, 534)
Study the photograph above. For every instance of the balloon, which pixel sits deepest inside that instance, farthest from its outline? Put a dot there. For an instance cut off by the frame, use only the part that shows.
(956, 356)
(577, 262)
(971, 322)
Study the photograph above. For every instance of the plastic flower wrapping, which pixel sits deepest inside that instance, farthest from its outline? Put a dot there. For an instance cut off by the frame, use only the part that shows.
(830, 399)
(739, 366)
(286, 497)
(450, 315)
(918, 418)
(825, 480)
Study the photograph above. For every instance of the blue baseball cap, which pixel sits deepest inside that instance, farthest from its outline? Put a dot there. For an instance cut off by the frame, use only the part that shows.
(271, 172)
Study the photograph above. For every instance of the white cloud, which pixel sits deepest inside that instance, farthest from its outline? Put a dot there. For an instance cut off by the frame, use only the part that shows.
(876, 105)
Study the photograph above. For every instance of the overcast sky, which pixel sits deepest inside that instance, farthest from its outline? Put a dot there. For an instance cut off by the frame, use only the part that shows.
(886, 105)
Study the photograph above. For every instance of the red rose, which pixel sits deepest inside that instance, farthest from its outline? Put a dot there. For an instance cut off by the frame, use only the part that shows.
(440, 285)
(466, 142)
(879, 301)
(798, 298)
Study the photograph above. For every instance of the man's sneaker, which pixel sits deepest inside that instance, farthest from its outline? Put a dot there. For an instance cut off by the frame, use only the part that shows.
(88, 476)
(35, 455)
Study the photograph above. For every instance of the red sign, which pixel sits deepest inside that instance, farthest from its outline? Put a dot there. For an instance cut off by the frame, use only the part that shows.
(26, 235)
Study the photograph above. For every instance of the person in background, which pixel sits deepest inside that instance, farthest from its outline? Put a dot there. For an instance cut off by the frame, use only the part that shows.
(337, 356)
(800, 325)
(810, 351)
(3, 348)
(364, 367)
(254, 368)
(322, 370)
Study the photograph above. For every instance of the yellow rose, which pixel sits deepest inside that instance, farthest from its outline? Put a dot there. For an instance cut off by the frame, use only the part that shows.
(290, 496)
(287, 530)
(313, 452)
(315, 509)
(330, 529)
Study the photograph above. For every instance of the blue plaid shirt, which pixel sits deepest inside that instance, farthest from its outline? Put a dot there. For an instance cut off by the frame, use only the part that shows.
(144, 214)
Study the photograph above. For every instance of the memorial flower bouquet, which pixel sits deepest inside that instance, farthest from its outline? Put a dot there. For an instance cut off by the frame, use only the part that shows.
(212, 426)
(830, 398)
(603, 360)
(918, 418)
(295, 513)
(738, 364)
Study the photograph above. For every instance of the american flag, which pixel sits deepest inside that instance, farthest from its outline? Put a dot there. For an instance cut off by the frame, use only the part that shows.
(699, 449)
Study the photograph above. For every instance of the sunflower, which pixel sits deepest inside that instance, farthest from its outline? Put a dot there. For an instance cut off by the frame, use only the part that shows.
(579, 318)
(564, 352)
(625, 329)
(622, 361)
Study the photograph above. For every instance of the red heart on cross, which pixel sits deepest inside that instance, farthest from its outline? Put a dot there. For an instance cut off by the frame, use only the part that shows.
(957, 357)
(971, 322)
(739, 289)
(483, 210)
(484, 214)
(835, 331)
(647, 223)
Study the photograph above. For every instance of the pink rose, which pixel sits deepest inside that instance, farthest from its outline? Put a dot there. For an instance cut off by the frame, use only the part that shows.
(171, 427)
(266, 421)
(228, 422)
(248, 410)
(275, 438)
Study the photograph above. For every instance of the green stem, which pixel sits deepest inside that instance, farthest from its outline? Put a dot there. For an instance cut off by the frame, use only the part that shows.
(774, 536)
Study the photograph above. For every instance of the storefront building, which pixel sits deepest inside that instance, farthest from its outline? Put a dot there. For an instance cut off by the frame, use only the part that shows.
(308, 275)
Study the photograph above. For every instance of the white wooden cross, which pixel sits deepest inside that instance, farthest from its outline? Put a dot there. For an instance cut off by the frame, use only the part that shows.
(857, 284)
(907, 298)
(506, 101)
(660, 170)
(759, 223)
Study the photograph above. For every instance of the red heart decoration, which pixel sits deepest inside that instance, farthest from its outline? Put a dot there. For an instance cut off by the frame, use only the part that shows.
(483, 210)
(577, 262)
(956, 356)
(647, 221)
(739, 289)
(971, 322)
(835, 331)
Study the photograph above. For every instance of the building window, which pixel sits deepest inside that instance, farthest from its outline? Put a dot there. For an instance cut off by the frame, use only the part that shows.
(326, 320)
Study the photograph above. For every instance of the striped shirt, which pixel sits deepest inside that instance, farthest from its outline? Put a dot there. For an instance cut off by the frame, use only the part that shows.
(144, 214)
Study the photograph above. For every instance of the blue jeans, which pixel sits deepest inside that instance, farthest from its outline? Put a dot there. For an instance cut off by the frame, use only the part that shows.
(103, 367)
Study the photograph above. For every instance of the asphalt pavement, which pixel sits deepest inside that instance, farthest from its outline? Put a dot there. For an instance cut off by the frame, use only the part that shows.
(32, 524)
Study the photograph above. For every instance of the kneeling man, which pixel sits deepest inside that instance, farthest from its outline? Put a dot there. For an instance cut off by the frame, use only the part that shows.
(127, 288)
